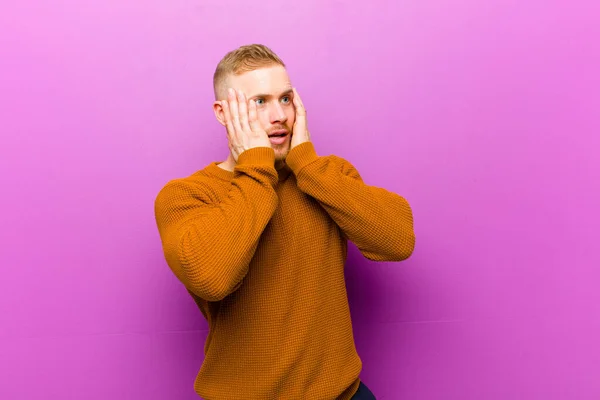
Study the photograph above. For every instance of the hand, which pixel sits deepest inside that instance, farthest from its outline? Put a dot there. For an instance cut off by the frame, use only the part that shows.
(243, 129)
(301, 134)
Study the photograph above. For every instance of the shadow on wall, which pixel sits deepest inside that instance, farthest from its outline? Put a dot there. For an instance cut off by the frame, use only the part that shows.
(373, 299)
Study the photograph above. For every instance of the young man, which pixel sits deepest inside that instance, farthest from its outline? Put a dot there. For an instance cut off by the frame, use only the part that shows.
(260, 241)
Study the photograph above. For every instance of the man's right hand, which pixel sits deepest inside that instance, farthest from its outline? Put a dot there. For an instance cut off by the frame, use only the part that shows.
(243, 128)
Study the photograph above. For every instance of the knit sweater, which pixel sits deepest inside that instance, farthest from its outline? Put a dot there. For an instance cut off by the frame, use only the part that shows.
(262, 253)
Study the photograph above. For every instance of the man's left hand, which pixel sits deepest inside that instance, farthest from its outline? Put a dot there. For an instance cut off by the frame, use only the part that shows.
(300, 132)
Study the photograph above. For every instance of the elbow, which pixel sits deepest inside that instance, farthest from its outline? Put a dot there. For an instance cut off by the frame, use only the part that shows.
(406, 238)
(401, 240)
(209, 286)
(207, 293)
(406, 247)
(208, 276)
(401, 249)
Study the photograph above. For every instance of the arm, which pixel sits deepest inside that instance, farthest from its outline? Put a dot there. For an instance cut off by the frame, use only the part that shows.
(209, 245)
(379, 222)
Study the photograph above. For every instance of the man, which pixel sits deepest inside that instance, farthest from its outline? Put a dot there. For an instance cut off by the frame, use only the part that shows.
(260, 241)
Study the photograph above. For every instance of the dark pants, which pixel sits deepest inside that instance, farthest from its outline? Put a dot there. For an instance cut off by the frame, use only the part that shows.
(363, 393)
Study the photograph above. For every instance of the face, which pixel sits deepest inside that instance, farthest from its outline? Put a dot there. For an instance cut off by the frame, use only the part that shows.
(271, 88)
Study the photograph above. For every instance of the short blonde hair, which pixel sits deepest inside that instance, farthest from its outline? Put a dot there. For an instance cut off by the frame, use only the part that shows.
(243, 59)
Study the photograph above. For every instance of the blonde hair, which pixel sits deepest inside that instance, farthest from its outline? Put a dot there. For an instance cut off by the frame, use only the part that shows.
(243, 59)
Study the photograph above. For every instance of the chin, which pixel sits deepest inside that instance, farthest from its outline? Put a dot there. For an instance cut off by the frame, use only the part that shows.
(282, 152)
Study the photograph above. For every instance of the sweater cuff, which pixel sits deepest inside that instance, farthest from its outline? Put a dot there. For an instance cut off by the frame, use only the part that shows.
(257, 156)
(300, 156)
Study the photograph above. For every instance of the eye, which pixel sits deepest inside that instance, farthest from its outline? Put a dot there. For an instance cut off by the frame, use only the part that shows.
(259, 102)
(287, 99)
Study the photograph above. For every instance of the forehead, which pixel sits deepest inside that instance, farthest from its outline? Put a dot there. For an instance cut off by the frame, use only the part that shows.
(271, 80)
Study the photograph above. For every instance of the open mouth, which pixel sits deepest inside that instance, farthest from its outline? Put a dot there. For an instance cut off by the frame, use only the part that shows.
(278, 134)
(278, 137)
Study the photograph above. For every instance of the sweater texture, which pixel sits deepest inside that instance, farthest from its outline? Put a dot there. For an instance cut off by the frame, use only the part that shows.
(262, 252)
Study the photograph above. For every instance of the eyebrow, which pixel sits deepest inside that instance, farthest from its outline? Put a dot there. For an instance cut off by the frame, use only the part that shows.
(286, 93)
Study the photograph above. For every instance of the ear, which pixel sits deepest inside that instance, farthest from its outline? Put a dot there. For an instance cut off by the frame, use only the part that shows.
(218, 110)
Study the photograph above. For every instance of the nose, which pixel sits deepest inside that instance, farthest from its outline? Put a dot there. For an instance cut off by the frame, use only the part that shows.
(277, 114)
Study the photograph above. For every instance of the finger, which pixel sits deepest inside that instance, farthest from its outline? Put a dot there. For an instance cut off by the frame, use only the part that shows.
(300, 110)
(235, 112)
(228, 122)
(253, 117)
(243, 110)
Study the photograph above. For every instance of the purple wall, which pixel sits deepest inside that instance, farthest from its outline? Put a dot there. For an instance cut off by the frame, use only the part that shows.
(484, 114)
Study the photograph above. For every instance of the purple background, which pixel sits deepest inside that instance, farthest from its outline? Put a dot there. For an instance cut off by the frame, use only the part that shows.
(483, 114)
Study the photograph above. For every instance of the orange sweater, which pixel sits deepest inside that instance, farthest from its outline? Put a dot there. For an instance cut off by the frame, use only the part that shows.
(262, 253)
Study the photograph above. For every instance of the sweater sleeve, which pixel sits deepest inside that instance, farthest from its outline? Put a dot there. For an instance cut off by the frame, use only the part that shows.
(377, 221)
(209, 244)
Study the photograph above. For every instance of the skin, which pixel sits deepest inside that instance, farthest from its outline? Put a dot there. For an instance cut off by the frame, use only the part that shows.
(256, 103)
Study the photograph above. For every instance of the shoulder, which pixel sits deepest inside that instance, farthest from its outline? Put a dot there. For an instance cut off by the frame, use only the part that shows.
(198, 186)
